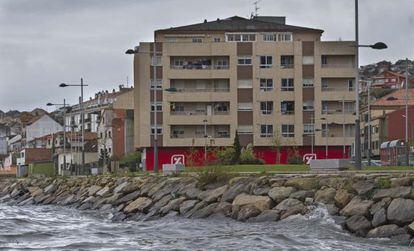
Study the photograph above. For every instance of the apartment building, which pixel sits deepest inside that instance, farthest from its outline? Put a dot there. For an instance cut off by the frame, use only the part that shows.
(261, 78)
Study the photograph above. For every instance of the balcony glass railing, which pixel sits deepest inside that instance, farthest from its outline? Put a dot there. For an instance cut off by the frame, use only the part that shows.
(200, 67)
(337, 66)
(198, 113)
(337, 89)
(202, 90)
(336, 111)
(198, 135)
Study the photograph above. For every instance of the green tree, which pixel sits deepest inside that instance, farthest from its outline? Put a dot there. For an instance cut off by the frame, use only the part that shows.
(237, 150)
(130, 160)
(103, 157)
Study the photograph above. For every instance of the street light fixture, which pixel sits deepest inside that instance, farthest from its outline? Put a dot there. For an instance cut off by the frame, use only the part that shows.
(376, 46)
(82, 114)
(64, 130)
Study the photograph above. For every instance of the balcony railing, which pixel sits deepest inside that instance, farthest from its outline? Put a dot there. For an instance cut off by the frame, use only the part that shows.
(199, 135)
(198, 113)
(199, 67)
(202, 90)
(338, 111)
(287, 66)
(337, 89)
(337, 66)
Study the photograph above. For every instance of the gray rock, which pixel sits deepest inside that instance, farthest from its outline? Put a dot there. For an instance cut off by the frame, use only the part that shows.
(198, 206)
(118, 216)
(223, 208)
(93, 190)
(247, 212)
(309, 201)
(121, 186)
(380, 217)
(187, 206)
(410, 228)
(212, 195)
(239, 187)
(289, 207)
(332, 209)
(396, 192)
(49, 189)
(386, 231)
(127, 198)
(140, 204)
(266, 216)
(171, 214)
(358, 224)
(342, 198)
(172, 205)
(280, 193)
(398, 182)
(261, 202)
(104, 191)
(205, 211)
(161, 203)
(106, 207)
(380, 204)
(401, 211)
(302, 194)
(86, 205)
(357, 206)
(326, 196)
(363, 186)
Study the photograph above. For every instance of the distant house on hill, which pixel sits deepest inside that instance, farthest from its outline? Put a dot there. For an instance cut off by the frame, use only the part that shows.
(41, 126)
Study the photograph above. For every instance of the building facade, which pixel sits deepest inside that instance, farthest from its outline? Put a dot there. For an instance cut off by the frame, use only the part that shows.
(269, 82)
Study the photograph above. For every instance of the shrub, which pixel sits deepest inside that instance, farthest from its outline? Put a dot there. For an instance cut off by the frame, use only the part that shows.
(296, 160)
(237, 150)
(384, 183)
(247, 156)
(225, 156)
(211, 175)
(130, 160)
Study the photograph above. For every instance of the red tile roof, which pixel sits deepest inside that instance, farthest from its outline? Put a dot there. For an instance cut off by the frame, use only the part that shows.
(395, 99)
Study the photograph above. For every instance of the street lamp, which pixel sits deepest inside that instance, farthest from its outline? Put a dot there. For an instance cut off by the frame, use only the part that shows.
(64, 130)
(82, 114)
(376, 46)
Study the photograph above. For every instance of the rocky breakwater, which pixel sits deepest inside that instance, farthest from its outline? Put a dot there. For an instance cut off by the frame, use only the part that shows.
(368, 205)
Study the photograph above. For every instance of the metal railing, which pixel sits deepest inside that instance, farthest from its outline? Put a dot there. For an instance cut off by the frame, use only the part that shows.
(200, 135)
(198, 113)
(337, 66)
(333, 89)
(202, 90)
(199, 67)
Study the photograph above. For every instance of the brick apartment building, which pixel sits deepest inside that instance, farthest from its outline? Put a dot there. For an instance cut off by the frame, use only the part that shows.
(264, 79)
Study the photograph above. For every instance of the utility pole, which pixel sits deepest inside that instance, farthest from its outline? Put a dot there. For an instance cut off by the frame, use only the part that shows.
(369, 123)
(64, 134)
(357, 119)
(343, 128)
(407, 154)
(154, 77)
(83, 127)
(205, 141)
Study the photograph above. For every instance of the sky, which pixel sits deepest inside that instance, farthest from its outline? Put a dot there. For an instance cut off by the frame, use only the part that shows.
(46, 42)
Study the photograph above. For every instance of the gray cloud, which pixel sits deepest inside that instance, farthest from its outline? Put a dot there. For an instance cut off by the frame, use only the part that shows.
(46, 42)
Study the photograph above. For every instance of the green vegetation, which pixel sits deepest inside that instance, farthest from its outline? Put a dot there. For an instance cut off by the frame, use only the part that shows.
(212, 174)
(42, 169)
(131, 160)
(385, 168)
(256, 168)
(384, 183)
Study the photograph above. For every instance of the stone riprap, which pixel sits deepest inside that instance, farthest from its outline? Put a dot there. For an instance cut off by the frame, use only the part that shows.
(368, 205)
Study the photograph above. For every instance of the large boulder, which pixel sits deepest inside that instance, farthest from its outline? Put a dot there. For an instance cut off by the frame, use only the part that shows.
(212, 195)
(342, 198)
(104, 191)
(302, 194)
(280, 193)
(247, 212)
(380, 217)
(357, 206)
(127, 198)
(205, 211)
(172, 205)
(380, 204)
(49, 189)
(303, 183)
(401, 211)
(266, 216)
(358, 224)
(93, 190)
(289, 207)
(399, 182)
(187, 206)
(362, 187)
(261, 202)
(396, 192)
(159, 204)
(386, 231)
(326, 196)
(140, 204)
(223, 208)
(241, 186)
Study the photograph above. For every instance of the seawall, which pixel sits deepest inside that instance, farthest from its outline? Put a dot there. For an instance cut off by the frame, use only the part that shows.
(368, 205)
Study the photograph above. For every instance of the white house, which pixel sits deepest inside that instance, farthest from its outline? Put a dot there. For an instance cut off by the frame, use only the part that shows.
(44, 125)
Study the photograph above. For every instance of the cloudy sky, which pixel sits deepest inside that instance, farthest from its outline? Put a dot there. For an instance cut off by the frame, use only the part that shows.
(46, 42)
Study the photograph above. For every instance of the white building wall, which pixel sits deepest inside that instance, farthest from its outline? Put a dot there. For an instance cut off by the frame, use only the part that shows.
(43, 126)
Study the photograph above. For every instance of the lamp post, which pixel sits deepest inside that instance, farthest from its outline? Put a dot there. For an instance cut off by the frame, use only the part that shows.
(64, 130)
(407, 145)
(377, 46)
(205, 141)
(82, 114)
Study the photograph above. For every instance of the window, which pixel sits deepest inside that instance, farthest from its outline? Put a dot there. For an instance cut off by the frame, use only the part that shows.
(325, 85)
(244, 61)
(244, 84)
(266, 107)
(308, 105)
(307, 83)
(288, 131)
(157, 83)
(159, 130)
(287, 84)
(324, 60)
(270, 37)
(109, 150)
(240, 37)
(266, 84)
(109, 134)
(171, 39)
(286, 61)
(266, 131)
(158, 106)
(156, 60)
(308, 128)
(178, 63)
(177, 133)
(221, 64)
(266, 61)
(351, 85)
(101, 135)
(222, 107)
(197, 40)
(245, 129)
(307, 60)
(217, 40)
(287, 107)
(284, 37)
(245, 107)
(177, 107)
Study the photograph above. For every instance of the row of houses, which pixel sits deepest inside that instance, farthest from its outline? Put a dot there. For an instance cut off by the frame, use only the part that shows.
(54, 140)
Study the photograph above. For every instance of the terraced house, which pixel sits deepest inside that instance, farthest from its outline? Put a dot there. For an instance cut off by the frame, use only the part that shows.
(274, 84)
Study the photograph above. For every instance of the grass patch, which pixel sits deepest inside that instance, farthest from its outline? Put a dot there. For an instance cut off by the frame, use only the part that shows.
(384, 182)
(262, 169)
(212, 175)
(388, 168)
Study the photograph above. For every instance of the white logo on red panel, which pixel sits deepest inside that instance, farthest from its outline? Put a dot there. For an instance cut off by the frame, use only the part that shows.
(308, 157)
(177, 159)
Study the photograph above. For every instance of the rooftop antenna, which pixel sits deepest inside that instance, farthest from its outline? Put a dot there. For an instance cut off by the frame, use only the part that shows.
(256, 8)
